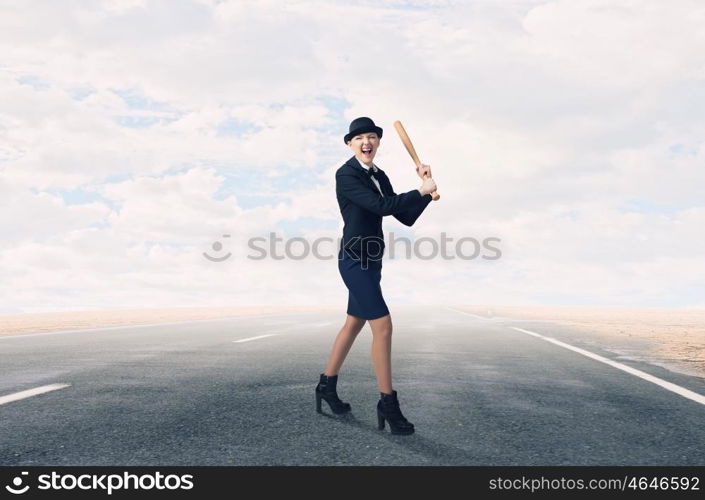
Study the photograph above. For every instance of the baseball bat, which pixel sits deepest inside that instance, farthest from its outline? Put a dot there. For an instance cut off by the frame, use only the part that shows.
(412, 152)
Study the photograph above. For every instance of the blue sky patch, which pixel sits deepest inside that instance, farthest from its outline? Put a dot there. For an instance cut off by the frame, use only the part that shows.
(234, 127)
(136, 100)
(646, 207)
(682, 149)
(34, 81)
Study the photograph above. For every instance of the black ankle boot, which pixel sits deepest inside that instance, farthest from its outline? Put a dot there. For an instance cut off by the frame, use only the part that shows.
(388, 409)
(326, 389)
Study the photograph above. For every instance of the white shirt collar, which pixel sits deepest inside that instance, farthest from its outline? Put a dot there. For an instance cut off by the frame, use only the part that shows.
(374, 167)
(374, 179)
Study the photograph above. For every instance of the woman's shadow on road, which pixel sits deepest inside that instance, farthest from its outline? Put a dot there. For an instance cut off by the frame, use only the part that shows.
(434, 452)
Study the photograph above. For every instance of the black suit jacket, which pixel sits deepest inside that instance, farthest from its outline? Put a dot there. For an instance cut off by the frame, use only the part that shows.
(362, 208)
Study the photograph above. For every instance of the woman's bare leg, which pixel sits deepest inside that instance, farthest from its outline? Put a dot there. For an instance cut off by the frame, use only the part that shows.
(382, 352)
(343, 343)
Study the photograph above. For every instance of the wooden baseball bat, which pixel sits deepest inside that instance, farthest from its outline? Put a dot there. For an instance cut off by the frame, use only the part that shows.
(412, 152)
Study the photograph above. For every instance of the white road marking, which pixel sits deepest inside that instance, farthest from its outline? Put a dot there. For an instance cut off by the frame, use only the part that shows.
(470, 314)
(253, 338)
(681, 391)
(31, 392)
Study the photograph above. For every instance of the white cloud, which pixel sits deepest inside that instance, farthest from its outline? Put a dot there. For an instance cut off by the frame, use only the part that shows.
(134, 134)
(631, 44)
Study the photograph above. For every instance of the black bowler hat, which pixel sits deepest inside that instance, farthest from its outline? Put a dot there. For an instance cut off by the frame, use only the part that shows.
(360, 126)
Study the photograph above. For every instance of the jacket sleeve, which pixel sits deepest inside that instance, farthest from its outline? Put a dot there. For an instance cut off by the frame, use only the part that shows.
(352, 188)
(408, 217)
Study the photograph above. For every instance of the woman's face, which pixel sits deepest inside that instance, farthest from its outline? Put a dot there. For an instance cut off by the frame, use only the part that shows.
(365, 147)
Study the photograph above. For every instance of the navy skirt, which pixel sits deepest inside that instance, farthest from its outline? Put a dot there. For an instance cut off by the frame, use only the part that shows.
(364, 292)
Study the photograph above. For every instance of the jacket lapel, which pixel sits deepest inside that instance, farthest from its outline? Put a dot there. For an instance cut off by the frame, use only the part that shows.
(363, 173)
(384, 183)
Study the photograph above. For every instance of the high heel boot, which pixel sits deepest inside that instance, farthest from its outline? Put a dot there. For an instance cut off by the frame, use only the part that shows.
(326, 389)
(388, 409)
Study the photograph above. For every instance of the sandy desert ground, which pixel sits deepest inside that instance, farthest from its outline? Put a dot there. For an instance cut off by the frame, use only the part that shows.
(19, 323)
(673, 338)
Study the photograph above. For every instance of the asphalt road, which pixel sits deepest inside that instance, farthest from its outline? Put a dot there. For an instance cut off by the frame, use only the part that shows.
(479, 393)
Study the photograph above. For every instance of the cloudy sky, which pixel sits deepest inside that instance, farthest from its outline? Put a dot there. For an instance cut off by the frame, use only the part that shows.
(135, 134)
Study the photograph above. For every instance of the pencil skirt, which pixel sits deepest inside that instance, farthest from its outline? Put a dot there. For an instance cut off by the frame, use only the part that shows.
(365, 298)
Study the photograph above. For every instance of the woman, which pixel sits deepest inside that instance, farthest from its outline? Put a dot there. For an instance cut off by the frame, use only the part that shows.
(365, 195)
